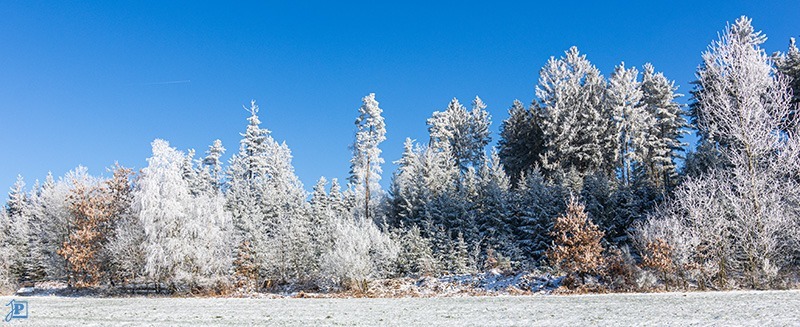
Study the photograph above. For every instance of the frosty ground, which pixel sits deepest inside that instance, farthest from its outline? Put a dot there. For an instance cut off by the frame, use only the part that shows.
(770, 308)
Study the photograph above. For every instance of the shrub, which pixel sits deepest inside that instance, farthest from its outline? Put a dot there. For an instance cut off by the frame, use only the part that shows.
(576, 247)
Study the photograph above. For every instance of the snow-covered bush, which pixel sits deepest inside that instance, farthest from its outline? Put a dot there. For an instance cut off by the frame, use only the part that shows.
(360, 252)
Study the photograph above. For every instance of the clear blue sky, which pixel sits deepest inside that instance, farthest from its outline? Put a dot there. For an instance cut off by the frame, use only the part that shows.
(91, 83)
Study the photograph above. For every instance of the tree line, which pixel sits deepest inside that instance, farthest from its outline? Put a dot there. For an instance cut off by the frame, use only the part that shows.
(589, 180)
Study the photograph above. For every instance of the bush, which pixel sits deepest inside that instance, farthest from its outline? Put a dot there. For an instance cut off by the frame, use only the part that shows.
(360, 253)
(576, 247)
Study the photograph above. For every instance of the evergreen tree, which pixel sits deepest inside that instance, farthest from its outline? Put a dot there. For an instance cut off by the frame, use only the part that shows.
(22, 238)
(365, 166)
(521, 140)
(633, 122)
(495, 216)
(464, 133)
(212, 166)
(663, 142)
(536, 203)
(416, 254)
(268, 205)
(578, 132)
(789, 65)
(6, 252)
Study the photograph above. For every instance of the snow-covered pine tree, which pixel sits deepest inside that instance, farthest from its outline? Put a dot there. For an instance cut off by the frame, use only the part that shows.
(464, 133)
(365, 166)
(496, 214)
(6, 252)
(405, 195)
(416, 254)
(322, 214)
(287, 220)
(578, 132)
(268, 204)
(212, 165)
(535, 204)
(337, 199)
(22, 238)
(521, 140)
(664, 145)
(244, 177)
(623, 98)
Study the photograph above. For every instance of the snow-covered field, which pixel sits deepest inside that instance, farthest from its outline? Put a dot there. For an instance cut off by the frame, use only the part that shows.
(770, 308)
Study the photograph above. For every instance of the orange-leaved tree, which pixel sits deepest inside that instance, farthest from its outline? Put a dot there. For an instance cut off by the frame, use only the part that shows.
(576, 247)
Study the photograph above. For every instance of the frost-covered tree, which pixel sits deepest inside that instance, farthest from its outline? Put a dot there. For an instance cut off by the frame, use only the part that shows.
(578, 133)
(6, 253)
(415, 255)
(495, 215)
(212, 165)
(95, 211)
(52, 211)
(623, 99)
(664, 145)
(245, 176)
(535, 203)
(521, 141)
(425, 186)
(322, 212)
(184, 239)
(464, 133)
(268, 205)
(22, 241)
(405, 193)
(737, 219)
(788, 64)
(365, 166)
(125, 249)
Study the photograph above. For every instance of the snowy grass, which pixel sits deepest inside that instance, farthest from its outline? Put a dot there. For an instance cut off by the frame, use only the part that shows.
(767, 308)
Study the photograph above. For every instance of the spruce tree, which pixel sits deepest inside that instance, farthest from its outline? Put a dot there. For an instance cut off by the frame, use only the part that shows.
(633, 122)
(521, 140)
(789, 65)
(578, 132)
(663, 144)
(365, 166)
(464, 133)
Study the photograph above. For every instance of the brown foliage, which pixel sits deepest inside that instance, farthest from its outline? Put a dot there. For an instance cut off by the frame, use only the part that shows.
(93, 210)
(620, 271)
(245, 269)
(576, 247)
(658, 256)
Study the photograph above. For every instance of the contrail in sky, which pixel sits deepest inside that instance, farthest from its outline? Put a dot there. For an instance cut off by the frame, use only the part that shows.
(167, 82)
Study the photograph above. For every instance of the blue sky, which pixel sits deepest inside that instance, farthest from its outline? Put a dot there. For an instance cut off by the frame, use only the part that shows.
(91, 83)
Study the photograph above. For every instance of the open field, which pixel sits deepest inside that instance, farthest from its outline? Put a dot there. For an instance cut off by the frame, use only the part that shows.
(769, 308)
